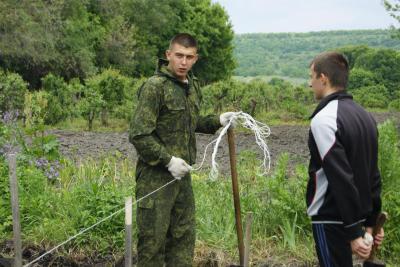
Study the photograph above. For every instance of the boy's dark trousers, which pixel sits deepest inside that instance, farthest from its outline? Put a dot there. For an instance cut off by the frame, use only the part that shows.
(333, 248)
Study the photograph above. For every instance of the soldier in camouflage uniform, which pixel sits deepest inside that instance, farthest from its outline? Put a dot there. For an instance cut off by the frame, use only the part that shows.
(163, 133)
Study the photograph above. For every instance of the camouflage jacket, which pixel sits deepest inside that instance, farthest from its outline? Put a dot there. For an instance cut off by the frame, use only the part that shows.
(167, 117)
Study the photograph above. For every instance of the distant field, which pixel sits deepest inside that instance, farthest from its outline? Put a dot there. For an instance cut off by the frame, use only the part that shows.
(288, 54)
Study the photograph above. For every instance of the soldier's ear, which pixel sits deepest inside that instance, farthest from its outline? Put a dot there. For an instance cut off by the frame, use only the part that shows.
(168, 54)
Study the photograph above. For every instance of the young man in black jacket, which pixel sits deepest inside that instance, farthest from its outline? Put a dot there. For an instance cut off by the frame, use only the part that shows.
(343, 192)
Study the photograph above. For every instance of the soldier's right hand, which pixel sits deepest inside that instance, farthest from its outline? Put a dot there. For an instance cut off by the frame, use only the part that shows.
(227, 117)
(178, 167)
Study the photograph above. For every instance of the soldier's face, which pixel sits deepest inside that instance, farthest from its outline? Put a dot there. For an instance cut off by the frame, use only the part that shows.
(181, 60)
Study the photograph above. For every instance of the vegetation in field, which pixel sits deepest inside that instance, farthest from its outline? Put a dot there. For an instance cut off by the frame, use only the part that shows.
(110, 96)
(60, 197)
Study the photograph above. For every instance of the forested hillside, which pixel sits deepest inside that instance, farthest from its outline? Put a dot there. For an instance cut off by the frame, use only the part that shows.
(288, 54)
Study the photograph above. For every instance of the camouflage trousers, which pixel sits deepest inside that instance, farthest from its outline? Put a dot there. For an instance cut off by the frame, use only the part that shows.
(165, 220)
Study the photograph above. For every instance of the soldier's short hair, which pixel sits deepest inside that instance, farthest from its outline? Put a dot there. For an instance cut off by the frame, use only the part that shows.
(335, 66)
(184, 39)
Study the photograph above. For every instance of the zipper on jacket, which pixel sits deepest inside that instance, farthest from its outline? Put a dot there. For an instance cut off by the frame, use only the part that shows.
(190, 125)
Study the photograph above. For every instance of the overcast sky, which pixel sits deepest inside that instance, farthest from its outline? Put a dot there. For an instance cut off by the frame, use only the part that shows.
(249, 16)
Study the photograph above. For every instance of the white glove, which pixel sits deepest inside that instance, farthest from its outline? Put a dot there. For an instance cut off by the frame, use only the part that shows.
(224, 119)
(178, 167)
(368, 239)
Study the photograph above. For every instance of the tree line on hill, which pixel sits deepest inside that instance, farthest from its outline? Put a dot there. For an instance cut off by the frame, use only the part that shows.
(288, 54)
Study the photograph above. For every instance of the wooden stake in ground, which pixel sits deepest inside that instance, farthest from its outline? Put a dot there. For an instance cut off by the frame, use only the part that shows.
(12, 163)
(128, 232)
(236, 198)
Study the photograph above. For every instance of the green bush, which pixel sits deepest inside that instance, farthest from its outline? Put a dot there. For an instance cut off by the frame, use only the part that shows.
(76, 88)
(35, 109)
(126, 109)
(259, 98)
(59, 99)
(12, 91)
(394, 105)
(375, 96)
(112, 86)
(90, 105)
(361, 78)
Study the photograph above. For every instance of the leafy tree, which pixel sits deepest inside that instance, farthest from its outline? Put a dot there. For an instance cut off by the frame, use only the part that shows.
(28, 38)
(81, 34)
(395, 105)
(12, 91)
(91, 105)
(394, 8)
(354, 52)
(111, 85)
(258, 97)
(210, 24)
(76, 90)
(215, 95)
(118, 46)
(385, 64)
(39, 37)
(154, 22)
(59, 99)
(35, 109)
(207, 21)
(361, 78)
(376, 96)
(124, 111)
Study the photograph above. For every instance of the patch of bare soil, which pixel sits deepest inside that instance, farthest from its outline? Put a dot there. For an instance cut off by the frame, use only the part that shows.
(291, 139)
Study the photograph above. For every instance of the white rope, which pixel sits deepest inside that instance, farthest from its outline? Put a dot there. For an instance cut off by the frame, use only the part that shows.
(261, 132)
(94, 225)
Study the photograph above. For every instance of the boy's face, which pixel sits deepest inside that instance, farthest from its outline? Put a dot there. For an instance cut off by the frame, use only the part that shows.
(317, 84)
(181, 60)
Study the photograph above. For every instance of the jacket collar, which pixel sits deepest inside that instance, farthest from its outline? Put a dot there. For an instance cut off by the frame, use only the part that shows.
(324, 101)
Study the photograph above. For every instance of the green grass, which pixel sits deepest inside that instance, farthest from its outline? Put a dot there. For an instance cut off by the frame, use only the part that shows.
(91, 190)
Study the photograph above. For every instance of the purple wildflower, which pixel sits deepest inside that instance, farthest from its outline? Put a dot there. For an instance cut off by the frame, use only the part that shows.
(10, 117)
(51, 169)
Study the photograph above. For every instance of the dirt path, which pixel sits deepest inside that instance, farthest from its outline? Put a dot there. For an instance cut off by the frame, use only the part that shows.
(284, 138)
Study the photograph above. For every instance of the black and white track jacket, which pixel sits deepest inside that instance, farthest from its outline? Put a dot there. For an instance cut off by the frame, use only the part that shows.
(344, 185)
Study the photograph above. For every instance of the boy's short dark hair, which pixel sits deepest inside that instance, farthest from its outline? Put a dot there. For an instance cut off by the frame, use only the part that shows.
(183, 39)
(335, 66)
